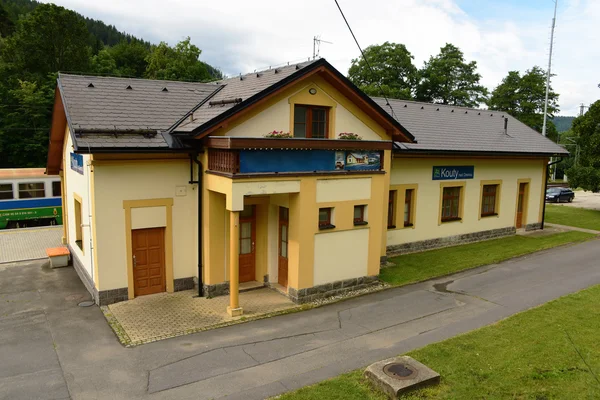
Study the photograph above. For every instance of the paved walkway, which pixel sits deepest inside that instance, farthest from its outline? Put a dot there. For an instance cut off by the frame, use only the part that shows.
(28, 243)
(572, 228)
(53, 349)
(149, 318)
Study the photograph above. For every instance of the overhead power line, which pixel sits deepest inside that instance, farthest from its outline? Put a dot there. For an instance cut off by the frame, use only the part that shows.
(387, 102)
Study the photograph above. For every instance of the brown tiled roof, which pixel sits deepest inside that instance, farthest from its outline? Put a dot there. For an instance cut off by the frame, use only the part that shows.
(106, 105)
(444, 128)
(239, 87)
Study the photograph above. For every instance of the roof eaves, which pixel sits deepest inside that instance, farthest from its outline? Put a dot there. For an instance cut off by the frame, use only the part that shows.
(398, 149)
(66, 108)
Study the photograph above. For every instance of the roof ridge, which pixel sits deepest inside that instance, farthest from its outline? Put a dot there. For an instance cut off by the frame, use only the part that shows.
(134, 79)
(262, 71)
(438, 104)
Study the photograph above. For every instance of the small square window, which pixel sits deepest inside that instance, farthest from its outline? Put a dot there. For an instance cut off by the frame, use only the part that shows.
(325, 218)
(6, 191)
(31, 190)
(359, 215)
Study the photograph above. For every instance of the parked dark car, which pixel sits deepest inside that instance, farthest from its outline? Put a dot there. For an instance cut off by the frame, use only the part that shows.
(558, 194)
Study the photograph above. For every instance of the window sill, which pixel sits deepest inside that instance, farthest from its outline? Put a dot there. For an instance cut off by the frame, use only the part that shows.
(451, 220)
(489, 215)
(408, 225)
(391, 227)
(360, 223)
(325, 227)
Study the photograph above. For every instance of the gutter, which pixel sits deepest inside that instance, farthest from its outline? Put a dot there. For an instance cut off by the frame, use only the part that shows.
(546, 188)
(194, 160)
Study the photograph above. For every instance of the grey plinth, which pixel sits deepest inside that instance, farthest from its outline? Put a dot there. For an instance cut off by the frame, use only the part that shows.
(400, 374)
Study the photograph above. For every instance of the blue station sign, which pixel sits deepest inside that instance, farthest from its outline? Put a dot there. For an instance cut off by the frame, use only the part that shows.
(77, 163)
(453, 173)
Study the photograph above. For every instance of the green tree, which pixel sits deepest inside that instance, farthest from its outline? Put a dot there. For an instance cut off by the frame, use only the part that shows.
(523, 97)
(103, 63)
(448, 79)
(393, 73)
(49, 39)
(130, 58)
(586, 129)
(7, 26)
(24, 134)
(176, 63)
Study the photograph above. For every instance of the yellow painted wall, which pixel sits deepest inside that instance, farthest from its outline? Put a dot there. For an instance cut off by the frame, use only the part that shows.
(148, 217)
(341, 255)
(79, 185)
(426, 219)
(116, 182)
(277, 114)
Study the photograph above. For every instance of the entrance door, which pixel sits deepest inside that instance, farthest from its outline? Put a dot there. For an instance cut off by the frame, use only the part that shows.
(247, 240)
(148, 261)
(282, 269)
(521, 204)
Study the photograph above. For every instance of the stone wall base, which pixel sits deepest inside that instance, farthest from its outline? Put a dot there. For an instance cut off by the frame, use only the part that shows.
(219, 289)
(183, 284)
(113, 296)
(423, 245)
(533, 227)
(331, 289)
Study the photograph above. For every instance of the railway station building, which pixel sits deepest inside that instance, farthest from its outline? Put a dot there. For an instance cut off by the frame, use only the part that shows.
(168, 185)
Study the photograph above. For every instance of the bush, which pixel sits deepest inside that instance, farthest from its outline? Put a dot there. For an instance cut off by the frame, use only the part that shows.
(587, 178)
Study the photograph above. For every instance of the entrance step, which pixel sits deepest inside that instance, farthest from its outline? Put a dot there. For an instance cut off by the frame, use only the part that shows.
(281, 289)
(253, 285)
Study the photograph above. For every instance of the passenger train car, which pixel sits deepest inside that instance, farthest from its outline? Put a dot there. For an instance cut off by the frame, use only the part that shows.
(29, 198)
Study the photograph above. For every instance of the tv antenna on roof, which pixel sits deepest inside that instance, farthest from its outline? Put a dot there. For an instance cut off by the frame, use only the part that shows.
(317, 45)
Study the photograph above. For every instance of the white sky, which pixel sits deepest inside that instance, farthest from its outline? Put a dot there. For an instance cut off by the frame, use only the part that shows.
(501, 35)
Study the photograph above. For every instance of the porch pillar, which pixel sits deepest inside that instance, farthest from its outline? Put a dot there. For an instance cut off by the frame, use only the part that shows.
(234, 308)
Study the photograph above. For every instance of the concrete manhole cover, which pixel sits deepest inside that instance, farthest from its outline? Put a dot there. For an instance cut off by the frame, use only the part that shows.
(400, 371)
(87, 303)
(397, 375)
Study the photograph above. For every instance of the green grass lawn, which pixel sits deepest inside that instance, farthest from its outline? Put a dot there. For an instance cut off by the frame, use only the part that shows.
(532, 355)
(417, 267)
(579, 217)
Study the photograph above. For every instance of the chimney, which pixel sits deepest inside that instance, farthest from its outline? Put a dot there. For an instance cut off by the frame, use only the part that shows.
(506, 126)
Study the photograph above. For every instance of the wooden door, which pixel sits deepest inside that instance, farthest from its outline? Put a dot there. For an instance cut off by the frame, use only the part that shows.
(247, 247)
(521, 204)
(148, 261)
(282, 269)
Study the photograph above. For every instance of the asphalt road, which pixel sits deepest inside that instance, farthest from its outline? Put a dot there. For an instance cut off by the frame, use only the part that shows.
(52, 349)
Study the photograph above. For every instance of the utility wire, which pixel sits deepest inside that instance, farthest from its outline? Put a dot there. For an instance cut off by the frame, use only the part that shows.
(387, 102)
(581, 356)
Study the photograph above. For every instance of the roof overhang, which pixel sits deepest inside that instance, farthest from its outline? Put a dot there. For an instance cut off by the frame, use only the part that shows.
(466, 153)
(333, 77)
(58, 128)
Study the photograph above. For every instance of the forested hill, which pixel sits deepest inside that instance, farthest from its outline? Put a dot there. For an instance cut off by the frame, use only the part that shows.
(100, 33)
(563, 124)
(37, 40)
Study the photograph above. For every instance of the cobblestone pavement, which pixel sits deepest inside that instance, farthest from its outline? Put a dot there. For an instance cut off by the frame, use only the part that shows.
(159, 316)
(28, 243)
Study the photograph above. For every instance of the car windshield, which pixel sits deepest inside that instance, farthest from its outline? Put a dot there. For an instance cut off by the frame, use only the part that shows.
(553, 190)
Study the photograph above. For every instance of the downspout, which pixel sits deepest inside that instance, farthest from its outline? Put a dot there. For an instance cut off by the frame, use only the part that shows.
(546, 189)
(194, 159)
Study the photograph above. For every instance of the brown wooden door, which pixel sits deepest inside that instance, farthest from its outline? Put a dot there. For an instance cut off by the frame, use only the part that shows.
(148, 261)
(521, 203)
(247, 247)
(282, 269)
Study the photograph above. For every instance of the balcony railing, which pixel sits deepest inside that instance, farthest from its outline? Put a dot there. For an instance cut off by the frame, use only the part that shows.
(249, 156)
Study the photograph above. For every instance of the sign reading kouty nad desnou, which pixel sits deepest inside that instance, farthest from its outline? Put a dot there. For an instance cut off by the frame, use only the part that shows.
(453, 173)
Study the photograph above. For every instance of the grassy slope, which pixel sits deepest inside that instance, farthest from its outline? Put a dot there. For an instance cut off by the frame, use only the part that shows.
(527, 356)
(421, 266)
(579, 217)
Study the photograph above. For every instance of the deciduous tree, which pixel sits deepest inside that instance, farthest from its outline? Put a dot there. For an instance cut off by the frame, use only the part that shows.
(176, 63)
(448, 79)
(586, 129)
(523, 97)
(393, 73)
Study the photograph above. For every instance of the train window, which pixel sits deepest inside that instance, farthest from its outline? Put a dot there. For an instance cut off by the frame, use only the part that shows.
(31, 190)
(56, 189)
(6, 191)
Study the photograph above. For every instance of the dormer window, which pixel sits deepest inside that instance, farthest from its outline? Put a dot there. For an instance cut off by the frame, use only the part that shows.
(310, 122)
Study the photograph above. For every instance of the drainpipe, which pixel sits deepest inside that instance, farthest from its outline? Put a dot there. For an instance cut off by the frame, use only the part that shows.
(546, 189)
(194, 159)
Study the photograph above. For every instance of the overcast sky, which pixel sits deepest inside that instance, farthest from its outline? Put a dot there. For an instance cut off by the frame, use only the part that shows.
(501, 35)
